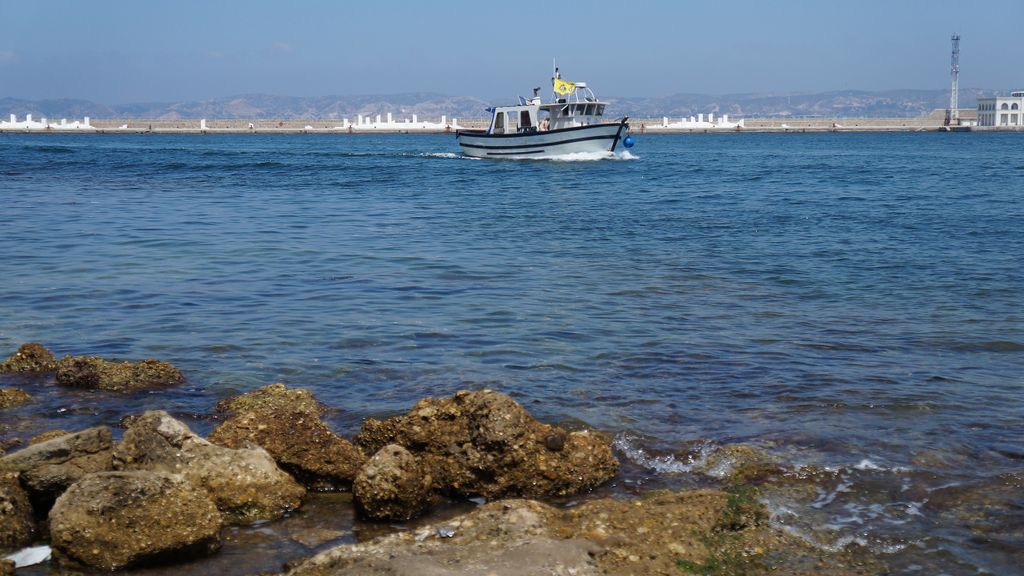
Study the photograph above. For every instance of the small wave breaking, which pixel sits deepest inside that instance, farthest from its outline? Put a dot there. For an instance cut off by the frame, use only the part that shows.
(630, 447)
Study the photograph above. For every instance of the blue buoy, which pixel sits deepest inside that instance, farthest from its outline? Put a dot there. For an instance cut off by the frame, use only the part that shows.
(628, 142)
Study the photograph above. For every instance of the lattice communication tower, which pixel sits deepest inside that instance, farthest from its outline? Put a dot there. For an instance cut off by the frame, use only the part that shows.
(954, 95)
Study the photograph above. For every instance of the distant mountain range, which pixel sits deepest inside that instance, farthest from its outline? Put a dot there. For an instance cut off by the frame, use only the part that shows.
(846, 103)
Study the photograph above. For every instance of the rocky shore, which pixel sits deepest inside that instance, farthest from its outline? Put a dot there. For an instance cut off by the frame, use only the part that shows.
(152, 492)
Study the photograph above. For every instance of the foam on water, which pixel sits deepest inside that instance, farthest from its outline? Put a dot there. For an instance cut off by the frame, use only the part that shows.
(447, 156)
(630, 447)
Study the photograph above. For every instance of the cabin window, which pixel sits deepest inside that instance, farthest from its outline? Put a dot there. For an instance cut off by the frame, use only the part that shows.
(600, 109)
(524, 118)
(590, 110)
(499, 123)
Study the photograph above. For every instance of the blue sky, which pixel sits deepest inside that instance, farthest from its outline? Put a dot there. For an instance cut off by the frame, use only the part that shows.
(156, 50)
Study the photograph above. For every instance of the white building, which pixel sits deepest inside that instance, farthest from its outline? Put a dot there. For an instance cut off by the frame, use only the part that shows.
(1002, 110)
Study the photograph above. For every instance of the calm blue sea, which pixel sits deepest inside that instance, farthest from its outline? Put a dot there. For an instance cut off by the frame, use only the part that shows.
(853, 302)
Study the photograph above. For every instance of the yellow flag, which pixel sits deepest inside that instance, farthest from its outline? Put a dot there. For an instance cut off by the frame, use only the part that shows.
(562, 87)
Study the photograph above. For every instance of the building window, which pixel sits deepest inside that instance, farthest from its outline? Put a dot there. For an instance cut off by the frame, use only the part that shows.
(1004, 119)
(1013, 119)
(1005, 106)
(1014, 107)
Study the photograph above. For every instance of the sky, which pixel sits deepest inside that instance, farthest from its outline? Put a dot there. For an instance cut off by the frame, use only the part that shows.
(125, 51)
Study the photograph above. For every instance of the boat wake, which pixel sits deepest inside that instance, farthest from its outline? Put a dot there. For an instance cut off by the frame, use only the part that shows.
(447, 156)
(589, 156)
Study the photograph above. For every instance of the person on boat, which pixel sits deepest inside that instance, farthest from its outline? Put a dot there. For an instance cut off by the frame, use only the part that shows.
(545, 124)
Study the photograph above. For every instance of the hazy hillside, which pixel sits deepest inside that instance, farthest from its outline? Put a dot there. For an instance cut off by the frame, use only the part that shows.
(847, 103)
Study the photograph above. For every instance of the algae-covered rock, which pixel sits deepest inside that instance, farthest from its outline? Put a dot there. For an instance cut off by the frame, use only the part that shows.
(48, 435)
(13, 396)
(273, 397)
(96, 373)
(676, 533)
(31, 357)
(48, 468)
(17, 524)
(392, 485)
(245, 483)
(300, 443)
(484, 443)
(113, 520)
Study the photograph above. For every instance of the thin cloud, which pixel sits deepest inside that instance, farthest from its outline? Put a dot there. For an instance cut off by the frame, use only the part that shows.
(282, 48)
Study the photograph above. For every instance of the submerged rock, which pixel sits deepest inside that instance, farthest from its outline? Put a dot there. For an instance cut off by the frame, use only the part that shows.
(484, 443)
(392, 485)
(112, 520)
(13, 396)
(31, 357)
(17, 524)
(48, 435)
(96, 373)
(273, 397)
(48, 468)
(245, 483)
(300, 443)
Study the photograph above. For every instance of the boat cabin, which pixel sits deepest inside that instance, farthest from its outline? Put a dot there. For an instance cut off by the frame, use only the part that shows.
(581, 108)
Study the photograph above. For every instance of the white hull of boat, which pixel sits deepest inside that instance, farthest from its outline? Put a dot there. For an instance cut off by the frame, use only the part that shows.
(553, 143)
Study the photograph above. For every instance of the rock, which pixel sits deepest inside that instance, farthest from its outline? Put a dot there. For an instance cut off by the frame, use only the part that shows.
(392, 485)
(245, 484)
(273, 397)
(687, 532)
(113, 520)
(6, 568)
(31, 357)
(48, 468)
(13, 396)
(49, 435)
(96, 373)
(17, 524)
(300, 443)
(484, 443)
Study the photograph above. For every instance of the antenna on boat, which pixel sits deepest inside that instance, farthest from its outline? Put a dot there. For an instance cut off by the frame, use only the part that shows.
(554, 76)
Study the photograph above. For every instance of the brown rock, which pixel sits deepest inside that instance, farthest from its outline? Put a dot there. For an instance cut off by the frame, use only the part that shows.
(273, 397)
(48, 468)
(113, 520)
(6, 567)
(392, 485)
(48, 435)
(245, 484)
(484, 443)
(668, 533)
(31, 357)
(300, 443)
(96, 373)
(17, 525)
(13, 396)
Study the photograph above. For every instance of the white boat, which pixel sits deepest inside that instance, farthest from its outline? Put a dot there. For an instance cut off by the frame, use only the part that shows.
(574, 122)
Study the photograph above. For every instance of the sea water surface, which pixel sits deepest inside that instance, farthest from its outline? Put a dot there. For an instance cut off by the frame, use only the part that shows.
(848, 302)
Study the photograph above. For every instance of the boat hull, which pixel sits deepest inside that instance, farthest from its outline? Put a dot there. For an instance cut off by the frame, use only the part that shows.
(580, 139)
